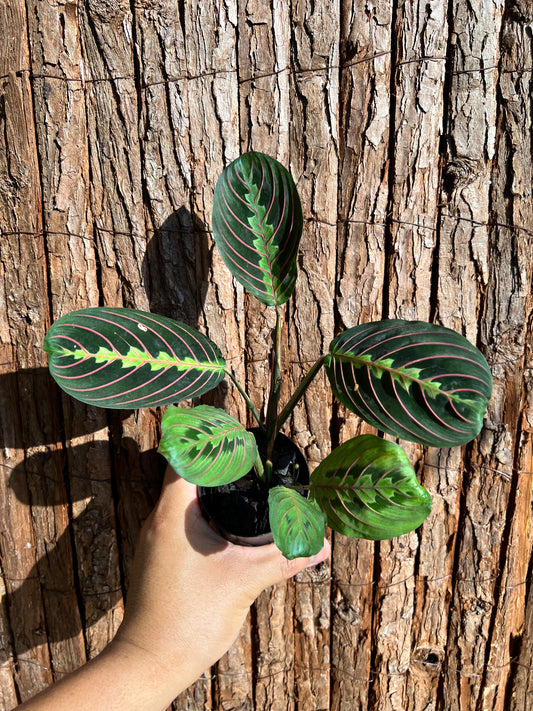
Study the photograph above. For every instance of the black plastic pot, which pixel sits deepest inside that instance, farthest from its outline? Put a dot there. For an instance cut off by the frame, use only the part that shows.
(239, 511)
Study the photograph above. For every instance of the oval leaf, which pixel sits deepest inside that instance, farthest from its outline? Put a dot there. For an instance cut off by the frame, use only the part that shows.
(124, 358)
(206, 446)
(257, 225)
(411, 379)
(297, 524)
(368, 489)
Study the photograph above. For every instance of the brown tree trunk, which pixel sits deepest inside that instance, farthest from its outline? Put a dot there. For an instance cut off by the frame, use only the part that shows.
(407, 127)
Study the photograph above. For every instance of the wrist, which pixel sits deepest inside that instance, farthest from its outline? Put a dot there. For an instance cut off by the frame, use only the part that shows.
(156, 677)
(123, 677)
(146, 683)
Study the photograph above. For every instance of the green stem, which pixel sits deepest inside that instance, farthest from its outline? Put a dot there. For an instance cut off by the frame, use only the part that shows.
(259, 469)
(275, 390)
(267, 477)
(298, 487)
(248, 401)
(300, 390)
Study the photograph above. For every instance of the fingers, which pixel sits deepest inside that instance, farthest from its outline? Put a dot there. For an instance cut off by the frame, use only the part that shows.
(263, 566)
(289, 568)
(176, 505)
(177, 486)
(270, 567)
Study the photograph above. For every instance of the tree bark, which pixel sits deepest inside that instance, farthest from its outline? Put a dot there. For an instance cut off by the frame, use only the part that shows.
(407, 128)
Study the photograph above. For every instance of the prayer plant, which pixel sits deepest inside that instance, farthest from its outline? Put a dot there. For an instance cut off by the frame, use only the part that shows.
(409, 379)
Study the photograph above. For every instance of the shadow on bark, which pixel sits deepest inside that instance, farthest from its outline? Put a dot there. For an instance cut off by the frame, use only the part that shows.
(34, 394)
(73, 577)
(176, 267)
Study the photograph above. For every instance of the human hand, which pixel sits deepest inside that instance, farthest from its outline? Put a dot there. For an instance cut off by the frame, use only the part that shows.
(190, 590)
(189, 594)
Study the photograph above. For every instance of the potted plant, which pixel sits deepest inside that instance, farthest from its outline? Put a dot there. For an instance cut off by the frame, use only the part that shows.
(410, 379)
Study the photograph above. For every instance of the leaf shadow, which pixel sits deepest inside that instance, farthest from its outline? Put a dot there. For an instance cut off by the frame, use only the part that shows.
(36, 395)
(176, 267)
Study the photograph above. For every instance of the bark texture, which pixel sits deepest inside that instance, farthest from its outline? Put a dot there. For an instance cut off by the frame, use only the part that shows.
(408, 129)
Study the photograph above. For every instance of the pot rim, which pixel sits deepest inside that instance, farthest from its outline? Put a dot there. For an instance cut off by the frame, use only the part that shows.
(263, 539)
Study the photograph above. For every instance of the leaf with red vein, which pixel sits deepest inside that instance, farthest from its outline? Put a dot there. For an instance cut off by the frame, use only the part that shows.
(297, 524)
(257, 225)
(367, 488)
(411, 379)
(125, 358)
(206, 446)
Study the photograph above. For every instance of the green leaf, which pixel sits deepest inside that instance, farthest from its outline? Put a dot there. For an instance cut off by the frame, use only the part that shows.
(368, 489)
(297, 524)
(257, 225)
(411, 379)
(124, 358)
(206, 446)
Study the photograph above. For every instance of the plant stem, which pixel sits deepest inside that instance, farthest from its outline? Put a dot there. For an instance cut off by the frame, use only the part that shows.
(259, 469)
(275, 390)
(298, 487)
(267, 475)
(300, 390)
(248, 401)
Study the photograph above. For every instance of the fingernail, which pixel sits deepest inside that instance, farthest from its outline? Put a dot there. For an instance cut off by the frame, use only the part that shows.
(314, 560)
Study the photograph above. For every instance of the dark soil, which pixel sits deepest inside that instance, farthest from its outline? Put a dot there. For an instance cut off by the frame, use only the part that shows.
(241, 508)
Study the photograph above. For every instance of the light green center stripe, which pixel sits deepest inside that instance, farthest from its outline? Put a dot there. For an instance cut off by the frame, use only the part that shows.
(135, 358)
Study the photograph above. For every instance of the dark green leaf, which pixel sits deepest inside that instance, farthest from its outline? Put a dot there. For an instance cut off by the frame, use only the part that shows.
(257, 225)
(206, 446)
(368, 489)
(297, 524)
(123, 358)
(411, 379)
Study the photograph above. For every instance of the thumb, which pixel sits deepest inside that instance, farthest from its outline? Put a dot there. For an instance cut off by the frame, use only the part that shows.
(271, 567)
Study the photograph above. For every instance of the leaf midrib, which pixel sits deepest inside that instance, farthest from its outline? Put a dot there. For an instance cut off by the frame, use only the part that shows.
(254, 192)
(164, 363)
(229, 433)
(424, 384)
